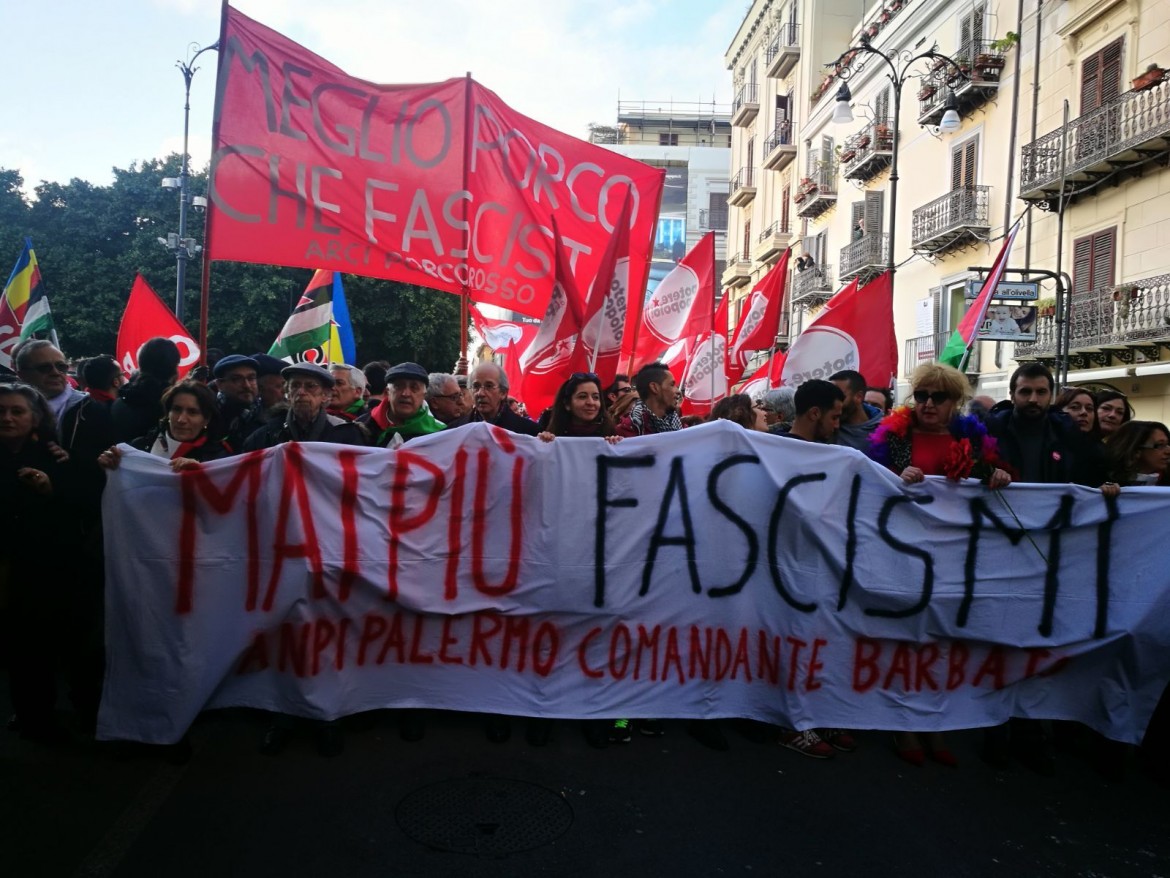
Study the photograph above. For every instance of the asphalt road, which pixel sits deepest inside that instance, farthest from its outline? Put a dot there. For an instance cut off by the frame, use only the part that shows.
(455, 804)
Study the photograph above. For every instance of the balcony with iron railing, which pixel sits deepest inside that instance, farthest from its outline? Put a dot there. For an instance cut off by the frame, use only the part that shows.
(960, 217)
(973, 84)
(1109, 323)
(928, 348)
(772, 242)
(811, 287)
(743, 187)
(817, 193)
(746, 105)
(868, 152)
(1130, 130)
(779, 150)
(865, 258)
(713, 220)
(784, 51)
(737, 273)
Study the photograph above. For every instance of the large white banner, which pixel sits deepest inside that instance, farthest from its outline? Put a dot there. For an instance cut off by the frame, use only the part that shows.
(709, 573)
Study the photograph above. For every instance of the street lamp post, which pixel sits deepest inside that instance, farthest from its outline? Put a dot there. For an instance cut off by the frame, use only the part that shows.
(184, 247)
(843, 113)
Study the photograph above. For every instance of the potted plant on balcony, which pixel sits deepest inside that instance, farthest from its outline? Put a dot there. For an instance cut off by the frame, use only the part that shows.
(927, 91)
(1046, 308)
(1125, 293)
(872, 30)
(1153, 75)
(848, 154)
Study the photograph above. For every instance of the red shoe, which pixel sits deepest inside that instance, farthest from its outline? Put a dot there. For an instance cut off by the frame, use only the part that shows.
(914, 755)
(839, 739)
(807, 743)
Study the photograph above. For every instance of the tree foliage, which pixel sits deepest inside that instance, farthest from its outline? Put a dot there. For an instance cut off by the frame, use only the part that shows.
(91, 240)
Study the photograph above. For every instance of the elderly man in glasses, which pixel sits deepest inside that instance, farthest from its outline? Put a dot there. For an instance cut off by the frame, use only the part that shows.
(445, 397)
(489, 392)
(83, 425)
(308, 388)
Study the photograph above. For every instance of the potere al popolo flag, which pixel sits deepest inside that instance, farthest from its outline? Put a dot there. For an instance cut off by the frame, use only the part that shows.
(958, 347)
(699, 364)
(759, 322)
(680, 308)
(600, 341)
(146, 317)
(440, 184)
(855, 331)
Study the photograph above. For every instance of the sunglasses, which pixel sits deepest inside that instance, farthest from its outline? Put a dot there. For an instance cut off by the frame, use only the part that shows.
(50, 368)
(585, 376)
(938, 397)
(1157, 446)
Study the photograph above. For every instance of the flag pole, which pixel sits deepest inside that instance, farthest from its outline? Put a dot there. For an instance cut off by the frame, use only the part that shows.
(465, 292)
(205, 280)
(714, 346)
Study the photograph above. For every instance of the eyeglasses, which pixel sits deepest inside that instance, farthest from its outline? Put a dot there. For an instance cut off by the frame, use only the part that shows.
(1157, 446)
(938, 397)
(489, 386)
(585, 376)
(50, 368)
(622, 391)
(456, 395)
(310, 385)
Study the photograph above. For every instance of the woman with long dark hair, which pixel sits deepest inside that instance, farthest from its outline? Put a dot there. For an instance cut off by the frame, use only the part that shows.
(1139, 454)
(739, 408)
(580, 409)
(1113, 410)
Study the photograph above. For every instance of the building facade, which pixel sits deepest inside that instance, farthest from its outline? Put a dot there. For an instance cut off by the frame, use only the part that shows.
(832, 187)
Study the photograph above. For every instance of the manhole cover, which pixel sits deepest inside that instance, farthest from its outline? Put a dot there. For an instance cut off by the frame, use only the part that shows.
(487, 816)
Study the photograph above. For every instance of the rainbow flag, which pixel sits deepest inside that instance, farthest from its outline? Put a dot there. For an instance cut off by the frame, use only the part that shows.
(24, 295)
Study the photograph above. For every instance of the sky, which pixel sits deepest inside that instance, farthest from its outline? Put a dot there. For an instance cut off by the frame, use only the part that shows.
(91, 86)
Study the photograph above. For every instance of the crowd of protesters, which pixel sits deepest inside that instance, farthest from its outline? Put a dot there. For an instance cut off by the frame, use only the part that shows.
(60, 428)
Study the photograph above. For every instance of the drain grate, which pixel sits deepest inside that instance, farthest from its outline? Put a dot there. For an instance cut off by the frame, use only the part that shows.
(487, 816)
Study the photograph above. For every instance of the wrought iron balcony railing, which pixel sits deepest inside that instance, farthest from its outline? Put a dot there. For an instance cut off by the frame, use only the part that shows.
(817, 193)
(960, 216)
(779, 150)
(1121, 133)
(746, 104)
(865, 258)
(784, 51)
(1134, 314)
(773, 241)
(737, 273)
(866, 153)
(743, 187)
(976, 80)
(923, 349)
(713, 220)
(812, 286)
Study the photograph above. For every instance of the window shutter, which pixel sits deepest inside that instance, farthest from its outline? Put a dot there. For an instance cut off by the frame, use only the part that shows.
(751, 152)
(1103, 253)
(1110, 72)
(882, 106)
(858, 208)
(937, 306)
(970, 153)
(1083, 264)
(819, 248)
(1090, 79)
(956, 169)
(873, 212)
(781, 108)
(747, 240)
(785, 199)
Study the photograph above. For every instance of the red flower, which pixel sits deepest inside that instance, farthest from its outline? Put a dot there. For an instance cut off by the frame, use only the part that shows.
(960, 461)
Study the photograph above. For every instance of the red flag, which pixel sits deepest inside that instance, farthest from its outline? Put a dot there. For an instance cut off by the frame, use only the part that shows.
(437, 184)
(681, 307)
(548, 360)
(764, 378)
(856, 331)
(9, 333)
(759, 322)
(700, 365)
(510, 338)
(599, 344)
(146, 317)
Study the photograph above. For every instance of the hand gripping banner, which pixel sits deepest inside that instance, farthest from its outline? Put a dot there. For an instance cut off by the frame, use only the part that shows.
(441, 184)
(709, 573)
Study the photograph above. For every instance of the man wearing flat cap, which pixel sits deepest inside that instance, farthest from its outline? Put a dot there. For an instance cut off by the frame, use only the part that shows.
(402, 414)
(239, 401)
(269, 380)
(308, 388)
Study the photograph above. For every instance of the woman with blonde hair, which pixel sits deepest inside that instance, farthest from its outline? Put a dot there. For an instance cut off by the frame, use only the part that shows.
(931, 438)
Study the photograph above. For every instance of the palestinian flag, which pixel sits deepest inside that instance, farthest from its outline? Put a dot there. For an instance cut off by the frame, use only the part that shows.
(958, 348)
(310, 334)
(25, 294)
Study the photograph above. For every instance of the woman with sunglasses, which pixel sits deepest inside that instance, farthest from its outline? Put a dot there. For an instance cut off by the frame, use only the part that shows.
(1139, 454)
(38, 531)
(580, 410)
(931, 438)
(1113, 410)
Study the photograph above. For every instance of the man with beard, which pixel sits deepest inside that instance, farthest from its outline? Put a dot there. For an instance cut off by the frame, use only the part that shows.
(858, 418)
(238, 397)
(655, 409)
